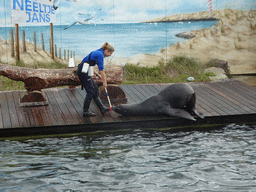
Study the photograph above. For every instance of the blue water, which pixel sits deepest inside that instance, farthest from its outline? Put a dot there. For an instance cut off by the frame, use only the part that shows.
(132, 161)
(128, 39)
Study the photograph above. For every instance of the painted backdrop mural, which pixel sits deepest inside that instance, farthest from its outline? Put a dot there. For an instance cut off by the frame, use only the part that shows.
(142, 32)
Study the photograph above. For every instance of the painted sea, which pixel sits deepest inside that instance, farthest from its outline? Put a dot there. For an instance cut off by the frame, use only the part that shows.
(129, 39)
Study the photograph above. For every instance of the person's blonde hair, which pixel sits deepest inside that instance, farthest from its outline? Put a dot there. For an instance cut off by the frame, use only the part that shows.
(107, 46)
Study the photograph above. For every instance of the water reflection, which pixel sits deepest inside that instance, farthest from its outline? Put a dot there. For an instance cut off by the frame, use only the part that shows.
(218, 160)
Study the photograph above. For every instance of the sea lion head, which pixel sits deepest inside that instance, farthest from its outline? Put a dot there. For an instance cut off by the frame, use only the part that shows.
(121, 109)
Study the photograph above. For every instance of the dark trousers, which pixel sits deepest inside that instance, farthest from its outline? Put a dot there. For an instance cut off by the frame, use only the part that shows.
(92, 90)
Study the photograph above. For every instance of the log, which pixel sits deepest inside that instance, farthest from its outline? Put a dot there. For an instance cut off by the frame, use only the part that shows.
(38, 79)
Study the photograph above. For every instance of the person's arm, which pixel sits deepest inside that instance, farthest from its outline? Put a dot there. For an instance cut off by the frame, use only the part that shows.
(104, 79)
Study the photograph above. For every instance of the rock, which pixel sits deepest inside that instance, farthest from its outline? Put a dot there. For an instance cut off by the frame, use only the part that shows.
(219, 77)
(219, 64)
(190, 79)
(220, 74)
(185, 35)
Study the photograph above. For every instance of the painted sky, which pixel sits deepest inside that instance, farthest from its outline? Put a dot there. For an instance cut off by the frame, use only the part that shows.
(123, 11)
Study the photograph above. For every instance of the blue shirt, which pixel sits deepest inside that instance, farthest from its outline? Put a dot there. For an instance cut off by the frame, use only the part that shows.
(99, 55)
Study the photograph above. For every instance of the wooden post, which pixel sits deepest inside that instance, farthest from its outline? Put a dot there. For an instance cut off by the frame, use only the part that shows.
(17, 43)
(52, 51)
(71, 54)
(68, 54)
(35, 41)
(24, 41)
(74, 55)
(12, 43)
(55, 50)
(50, 46)
(59, 53)
(42, 37)
(64, 54)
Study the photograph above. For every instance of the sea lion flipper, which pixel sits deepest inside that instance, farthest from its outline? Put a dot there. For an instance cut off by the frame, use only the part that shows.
(199, 113)
(179, 113)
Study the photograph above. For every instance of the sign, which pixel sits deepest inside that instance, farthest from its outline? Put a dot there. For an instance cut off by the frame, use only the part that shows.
(32, 11)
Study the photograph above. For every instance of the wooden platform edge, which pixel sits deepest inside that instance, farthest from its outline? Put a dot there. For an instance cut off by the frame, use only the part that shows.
(175, 124)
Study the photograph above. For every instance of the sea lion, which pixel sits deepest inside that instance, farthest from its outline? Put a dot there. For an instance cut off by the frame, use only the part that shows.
(176, 100)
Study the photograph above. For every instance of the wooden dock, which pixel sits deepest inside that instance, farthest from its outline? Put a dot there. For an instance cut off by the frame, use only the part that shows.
(222, 103)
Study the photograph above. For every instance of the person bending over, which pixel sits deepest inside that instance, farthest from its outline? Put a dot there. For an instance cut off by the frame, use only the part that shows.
(85, 73)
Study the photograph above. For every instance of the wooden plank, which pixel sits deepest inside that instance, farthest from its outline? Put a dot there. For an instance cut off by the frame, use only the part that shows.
(5, 111)
(203, 110)
(208, 99)
(72, 110)
(230, 98)
(152, 89)
(147, 93)
(214, 99)
(237, 96)
(12, 110)
(22, 116)
(28, 112)
(51, 114)
(131, 97)
(67, 116)
(72, 94)
(56, 112)
(160, 87)
(250, 92)
(37, 116)
(202, 103)
(219, 103)
(222, 103)
(244, 91)
(44, 115)
(208, 107)
(40, 116)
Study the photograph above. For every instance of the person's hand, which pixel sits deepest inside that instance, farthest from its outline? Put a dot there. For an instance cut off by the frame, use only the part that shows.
(100, 78)
(105, 84)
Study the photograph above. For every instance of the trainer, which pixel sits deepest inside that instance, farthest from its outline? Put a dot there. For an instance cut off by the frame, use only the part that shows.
(85, 73)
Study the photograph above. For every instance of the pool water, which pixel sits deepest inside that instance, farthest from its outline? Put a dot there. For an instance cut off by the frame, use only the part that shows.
(138, 160)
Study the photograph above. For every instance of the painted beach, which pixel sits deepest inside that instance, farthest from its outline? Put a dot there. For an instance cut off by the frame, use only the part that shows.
(231, 37)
